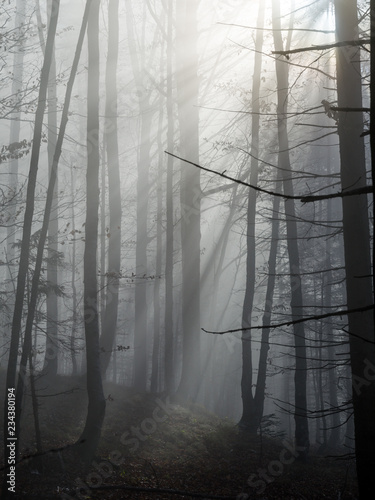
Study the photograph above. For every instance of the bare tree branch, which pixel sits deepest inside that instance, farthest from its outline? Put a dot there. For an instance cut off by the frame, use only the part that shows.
(282, 29)
(341, 194)
(291, 322)
(354, 43)
(222, 174)
(303, 199)
(350, 110)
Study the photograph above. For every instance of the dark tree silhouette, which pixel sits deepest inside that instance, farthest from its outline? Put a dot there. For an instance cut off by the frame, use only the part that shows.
(356, 241)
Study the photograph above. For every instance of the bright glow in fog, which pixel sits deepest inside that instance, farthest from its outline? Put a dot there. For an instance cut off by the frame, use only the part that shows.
(226, 60)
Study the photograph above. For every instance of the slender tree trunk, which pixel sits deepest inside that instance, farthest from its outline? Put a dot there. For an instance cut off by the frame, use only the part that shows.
(300, 376)
(96, 405)
(141, 309)
(169, 343)
(52, 347)
(260, 391)
(321, 406)
(190, 194)
(34, 399)
(334, 436)
(349, 428)
(73, 282)
(114, 189)
(103, 237)
(156, 365)
(247, 420)
(356, 244)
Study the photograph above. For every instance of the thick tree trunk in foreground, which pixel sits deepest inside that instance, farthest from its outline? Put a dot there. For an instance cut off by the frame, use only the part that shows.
(96, 404)
(356, 245)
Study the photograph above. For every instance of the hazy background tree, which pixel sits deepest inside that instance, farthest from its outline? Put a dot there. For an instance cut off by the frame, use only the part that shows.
(190, 193)
(108, 334)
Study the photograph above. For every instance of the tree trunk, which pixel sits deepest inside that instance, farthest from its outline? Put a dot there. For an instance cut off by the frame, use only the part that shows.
(73, 283)
(190, 194)
(334, 436)
(260, 391)
(155, 375)
(141, 309)
(169, 343)
(300, 376)
(96, 404)
(114, 190)
(356, 244)
(103, 238)
(248, 410)
(52, 347)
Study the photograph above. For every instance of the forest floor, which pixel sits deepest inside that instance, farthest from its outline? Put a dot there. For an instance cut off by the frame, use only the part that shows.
(150, 445)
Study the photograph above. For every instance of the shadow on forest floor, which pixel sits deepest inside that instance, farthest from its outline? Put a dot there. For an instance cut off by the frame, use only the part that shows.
(149, 443)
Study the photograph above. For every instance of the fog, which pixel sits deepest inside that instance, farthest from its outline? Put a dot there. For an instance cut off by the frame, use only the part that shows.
(201, 283)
